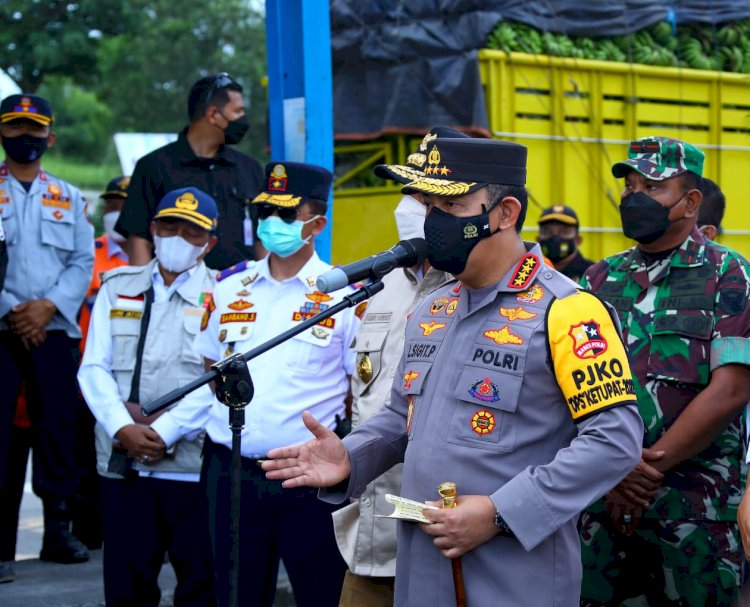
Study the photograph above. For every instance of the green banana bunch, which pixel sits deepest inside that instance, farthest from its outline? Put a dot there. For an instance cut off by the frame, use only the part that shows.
(695, 45)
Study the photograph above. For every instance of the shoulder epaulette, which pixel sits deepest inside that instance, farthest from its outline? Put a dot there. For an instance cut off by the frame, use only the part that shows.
(238, 267)
(118, 271)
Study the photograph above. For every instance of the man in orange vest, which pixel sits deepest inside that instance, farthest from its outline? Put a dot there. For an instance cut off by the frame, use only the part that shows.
(108, 252)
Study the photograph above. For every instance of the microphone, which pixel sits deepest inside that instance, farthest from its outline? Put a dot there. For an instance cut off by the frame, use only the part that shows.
(403, 254)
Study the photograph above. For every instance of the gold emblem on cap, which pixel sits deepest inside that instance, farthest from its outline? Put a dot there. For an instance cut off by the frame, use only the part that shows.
(416, 159)
(434, 156)
(123, 183)
(364, 368)
(279, 172)
(558, 208)
(427, 139)
(25, 103)
(470, 231)
(187, 201)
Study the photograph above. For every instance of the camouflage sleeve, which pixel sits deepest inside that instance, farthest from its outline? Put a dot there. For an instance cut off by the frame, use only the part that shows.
(594, 276)
(730, 340)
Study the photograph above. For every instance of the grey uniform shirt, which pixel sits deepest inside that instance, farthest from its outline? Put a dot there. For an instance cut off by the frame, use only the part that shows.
(368, 544)
(528, 399)
(50, 247)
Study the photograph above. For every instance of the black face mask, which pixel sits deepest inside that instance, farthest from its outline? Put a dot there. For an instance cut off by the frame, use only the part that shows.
(643, 218)
(556, 247)
(25, 149)
(450, 239)
(236, 130)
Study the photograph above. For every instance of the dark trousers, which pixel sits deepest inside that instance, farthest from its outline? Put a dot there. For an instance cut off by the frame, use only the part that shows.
(53, 404)
(275, 523)
(144, 518)
(12, 493)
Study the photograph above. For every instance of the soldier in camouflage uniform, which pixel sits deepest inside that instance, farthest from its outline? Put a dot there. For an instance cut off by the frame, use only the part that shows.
(668, 531)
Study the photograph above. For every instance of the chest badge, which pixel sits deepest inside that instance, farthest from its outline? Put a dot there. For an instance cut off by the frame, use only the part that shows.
(222, 335)
(438, 305)
(503, 336)
(409, 412)
(320, 333)
(409, 377)
(240, 304)
(243, 293)
(364, 368)
(587, 339)
(485, 391)
(452, 305)
(432, 326)
(483, 422)
(248, 279)
(532, 295)
(517, 313)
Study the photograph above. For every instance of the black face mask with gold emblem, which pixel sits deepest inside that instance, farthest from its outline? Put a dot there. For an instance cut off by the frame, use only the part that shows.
(451, 239)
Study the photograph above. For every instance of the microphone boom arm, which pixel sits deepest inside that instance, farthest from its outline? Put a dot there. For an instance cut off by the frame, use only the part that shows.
(349, 301)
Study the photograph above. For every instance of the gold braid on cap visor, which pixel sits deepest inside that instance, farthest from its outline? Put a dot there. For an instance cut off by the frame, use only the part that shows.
(281, 200)
(441, 187)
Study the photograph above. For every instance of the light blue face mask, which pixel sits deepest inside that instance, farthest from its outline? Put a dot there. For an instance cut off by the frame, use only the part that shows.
(283, 239)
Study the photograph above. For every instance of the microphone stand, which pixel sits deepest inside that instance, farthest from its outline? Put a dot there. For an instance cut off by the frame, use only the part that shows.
(234, 388)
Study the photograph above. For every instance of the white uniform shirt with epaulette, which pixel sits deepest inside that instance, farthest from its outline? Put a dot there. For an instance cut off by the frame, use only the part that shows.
(50, 247)
(309, 372)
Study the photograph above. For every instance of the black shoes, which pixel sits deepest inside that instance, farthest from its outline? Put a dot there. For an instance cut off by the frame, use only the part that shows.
(59, 544)
(6, 573)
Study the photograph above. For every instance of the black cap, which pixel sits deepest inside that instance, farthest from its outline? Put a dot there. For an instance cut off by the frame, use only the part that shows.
(404, 173)
(288, 184)
(117, 188)
(31, 107)
(559, 212)
(456, 167)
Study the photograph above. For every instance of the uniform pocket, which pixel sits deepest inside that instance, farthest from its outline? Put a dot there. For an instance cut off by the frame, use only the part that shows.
(305, 353)
(124, 343)
(57, 228)
(192, 324)
(680, 348)
(8, 216)
(369, 356)
(484, 413)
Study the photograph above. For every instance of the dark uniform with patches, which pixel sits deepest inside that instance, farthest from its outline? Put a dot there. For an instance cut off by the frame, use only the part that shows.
(525, 396)
(682, 317)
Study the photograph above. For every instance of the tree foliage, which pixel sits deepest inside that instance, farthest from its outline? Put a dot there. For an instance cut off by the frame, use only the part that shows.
(129, 64)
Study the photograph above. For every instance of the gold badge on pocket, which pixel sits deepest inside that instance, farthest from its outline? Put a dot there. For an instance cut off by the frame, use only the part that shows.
(364, 368)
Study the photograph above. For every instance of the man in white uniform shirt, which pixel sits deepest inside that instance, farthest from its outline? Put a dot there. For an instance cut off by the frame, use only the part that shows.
(254, 302)
(139, 347)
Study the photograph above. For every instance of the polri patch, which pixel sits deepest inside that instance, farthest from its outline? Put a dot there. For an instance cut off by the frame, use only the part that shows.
(485, 391)
(588, 341)
(483, 422)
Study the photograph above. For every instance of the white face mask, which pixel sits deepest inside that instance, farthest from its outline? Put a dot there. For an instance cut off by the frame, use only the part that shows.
(410, 214)
(175, 254)
(109, 220)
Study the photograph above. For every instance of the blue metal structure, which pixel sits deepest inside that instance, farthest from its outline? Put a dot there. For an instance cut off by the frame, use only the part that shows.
(300, 87)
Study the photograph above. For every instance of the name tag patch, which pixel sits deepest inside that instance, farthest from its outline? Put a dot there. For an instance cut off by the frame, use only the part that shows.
(237, 317)
(120, 313)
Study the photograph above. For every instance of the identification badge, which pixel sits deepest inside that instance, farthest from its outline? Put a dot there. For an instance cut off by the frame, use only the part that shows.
(247, 226)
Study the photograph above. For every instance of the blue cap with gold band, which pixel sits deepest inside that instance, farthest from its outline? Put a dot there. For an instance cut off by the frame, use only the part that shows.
(289, 184)
(30, 107)
(189, 204)
(117, 187)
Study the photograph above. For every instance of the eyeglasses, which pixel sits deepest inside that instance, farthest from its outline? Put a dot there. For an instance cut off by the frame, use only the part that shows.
(221, 81)
(286, 214)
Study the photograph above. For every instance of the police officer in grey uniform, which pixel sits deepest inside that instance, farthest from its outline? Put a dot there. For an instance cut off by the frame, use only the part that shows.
(513, 384)
(366, 541)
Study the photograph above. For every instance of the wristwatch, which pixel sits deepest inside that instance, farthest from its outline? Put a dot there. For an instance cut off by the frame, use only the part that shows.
(500, 523)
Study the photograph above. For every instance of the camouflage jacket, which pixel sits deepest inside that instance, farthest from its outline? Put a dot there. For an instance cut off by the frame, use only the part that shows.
(682, 317)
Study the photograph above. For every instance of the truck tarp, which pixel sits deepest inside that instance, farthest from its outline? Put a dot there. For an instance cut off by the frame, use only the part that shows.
(402, 67)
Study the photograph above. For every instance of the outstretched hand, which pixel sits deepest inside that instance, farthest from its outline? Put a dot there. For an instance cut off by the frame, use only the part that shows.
(321, 462)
